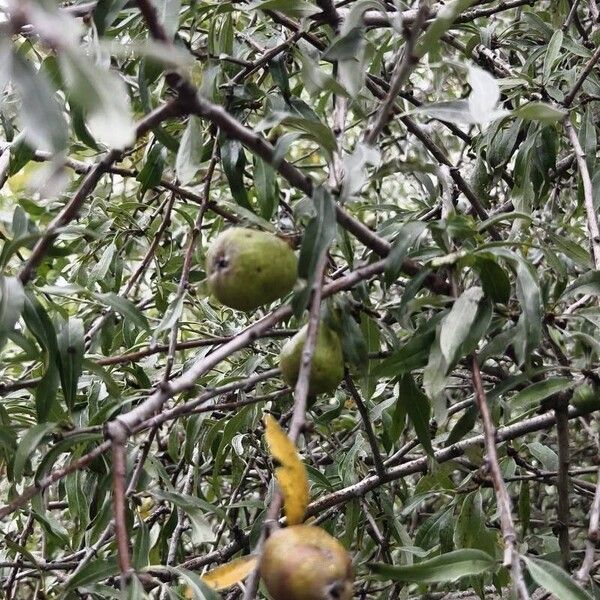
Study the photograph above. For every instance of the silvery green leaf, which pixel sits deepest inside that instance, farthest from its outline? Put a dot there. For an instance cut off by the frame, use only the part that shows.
(168, 14)
(41, 115)
(354, 17)
(103, 97)
(190, 151)
(456, 326)
(484, 96)
(5, 64)
(12, 298)
(451, 111)
(292, 8)
(355, 168)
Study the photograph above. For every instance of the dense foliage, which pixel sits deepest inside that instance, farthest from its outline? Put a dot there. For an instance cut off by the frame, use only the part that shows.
(435, 167)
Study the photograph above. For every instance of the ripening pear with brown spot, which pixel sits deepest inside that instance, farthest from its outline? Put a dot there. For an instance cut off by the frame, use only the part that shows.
(246, 268)
(304, 562)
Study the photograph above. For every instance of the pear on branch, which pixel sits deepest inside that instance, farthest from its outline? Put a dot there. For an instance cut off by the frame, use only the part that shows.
(300, 562)
(246, 268)
(304, 562)
(327, 367)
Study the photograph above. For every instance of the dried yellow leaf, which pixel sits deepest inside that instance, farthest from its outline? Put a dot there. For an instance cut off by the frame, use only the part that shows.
(291, 475)
(230, 573)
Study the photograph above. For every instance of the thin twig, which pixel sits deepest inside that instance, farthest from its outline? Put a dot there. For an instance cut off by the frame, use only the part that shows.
(405, 63)
(336, 172)
(588, 194)
(572, 14)
(582, 77)
(302, 384)
(141, 460)
(512, 559)
(367, 425)
(187, 262)
(378, 19)
(593, 536)
(562, 481)
(181, 516)
(27, 530)
(119, 467)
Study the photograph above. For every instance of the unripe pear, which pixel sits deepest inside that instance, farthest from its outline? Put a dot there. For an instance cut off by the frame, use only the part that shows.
(586, 397)
(304, 562)
(246, 268)
(327, 367)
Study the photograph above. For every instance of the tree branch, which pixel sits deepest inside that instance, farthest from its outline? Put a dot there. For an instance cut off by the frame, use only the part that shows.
(405, 62)
(588, 194)
(512, 560)
(562, 482)
(593, 536)
(582, 77)
(119, 472)
(368, 427)
(71, 209)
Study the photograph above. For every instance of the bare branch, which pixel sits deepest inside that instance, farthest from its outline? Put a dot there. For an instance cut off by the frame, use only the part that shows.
(512, 560)
(593, 536)
(582, 77)
(368, 427)
(562, 482)
(119, 473)
(588, 194)
(404, 63)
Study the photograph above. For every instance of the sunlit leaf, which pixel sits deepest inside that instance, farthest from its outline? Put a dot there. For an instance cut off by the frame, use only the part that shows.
(291, 474)
(224, 576)
(103, 97)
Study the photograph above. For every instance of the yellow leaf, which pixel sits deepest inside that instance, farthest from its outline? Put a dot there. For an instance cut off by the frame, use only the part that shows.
(230, 573)
(291, 475)
(146, 507)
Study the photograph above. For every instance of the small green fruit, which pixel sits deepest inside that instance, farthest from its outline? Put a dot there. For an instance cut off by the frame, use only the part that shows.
(586, 397)
(327, 369)
(247, 268)
(304, 562)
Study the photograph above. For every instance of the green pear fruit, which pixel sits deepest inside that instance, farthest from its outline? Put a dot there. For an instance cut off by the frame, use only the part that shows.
(304, 562)
(246, 268)
(327, 370)
(586, 397)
